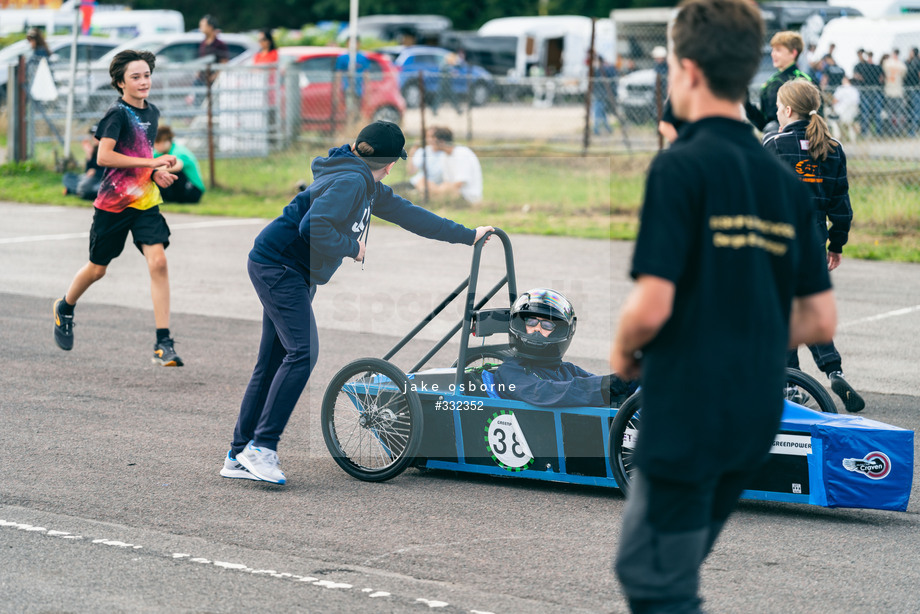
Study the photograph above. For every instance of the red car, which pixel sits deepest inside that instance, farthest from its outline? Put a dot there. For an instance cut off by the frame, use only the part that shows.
(322, 104)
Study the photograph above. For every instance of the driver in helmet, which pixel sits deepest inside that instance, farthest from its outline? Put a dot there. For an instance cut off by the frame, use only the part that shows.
(542, 327)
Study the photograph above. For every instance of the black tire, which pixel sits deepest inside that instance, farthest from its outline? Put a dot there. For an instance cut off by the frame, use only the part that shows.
(490, 354)
(805, 390)
(412, 93)
(623, 433)
(625, 425)
(371, 420)
(388, 114)
(479, 93)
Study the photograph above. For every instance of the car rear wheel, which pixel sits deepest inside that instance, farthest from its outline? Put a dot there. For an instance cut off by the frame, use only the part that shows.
(479, 93)
(624, 432)
(806, 391)
(388, 114)
(487, 355)
(412, 93)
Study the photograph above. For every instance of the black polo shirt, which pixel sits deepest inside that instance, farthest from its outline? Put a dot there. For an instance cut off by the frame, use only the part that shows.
(732, 228)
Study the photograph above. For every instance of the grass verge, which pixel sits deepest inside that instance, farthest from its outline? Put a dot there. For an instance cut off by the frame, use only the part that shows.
(529, 193)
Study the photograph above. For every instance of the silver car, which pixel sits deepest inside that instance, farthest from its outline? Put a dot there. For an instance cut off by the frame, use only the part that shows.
(177, 79)
(89, 50)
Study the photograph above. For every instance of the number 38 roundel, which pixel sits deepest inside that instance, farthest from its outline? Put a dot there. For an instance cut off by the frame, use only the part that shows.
(506, 442)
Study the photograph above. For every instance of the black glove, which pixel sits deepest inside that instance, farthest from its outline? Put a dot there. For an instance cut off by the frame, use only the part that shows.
(613, 389)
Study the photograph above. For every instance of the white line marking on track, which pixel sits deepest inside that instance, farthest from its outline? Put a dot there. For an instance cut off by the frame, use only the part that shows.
(431, 603)
(219, 223)
(185, 557)
(62, 237)
(881, 316)
(84, 235)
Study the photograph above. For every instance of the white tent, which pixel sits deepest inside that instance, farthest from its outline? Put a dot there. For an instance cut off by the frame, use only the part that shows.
(879, 36)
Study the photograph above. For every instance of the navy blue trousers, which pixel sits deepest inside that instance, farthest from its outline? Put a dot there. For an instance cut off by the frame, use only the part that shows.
(826, 356)
(287, 355)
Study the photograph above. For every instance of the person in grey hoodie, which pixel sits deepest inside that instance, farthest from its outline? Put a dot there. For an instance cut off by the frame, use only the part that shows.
(300, 250)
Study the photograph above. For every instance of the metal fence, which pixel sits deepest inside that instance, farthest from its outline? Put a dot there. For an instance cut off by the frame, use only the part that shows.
(258, 111)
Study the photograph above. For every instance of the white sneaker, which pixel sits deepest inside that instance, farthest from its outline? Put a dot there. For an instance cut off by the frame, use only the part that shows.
(233, 469)
(262, 463)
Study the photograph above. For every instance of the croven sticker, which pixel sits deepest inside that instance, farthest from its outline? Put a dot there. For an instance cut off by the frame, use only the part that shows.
(875, 465)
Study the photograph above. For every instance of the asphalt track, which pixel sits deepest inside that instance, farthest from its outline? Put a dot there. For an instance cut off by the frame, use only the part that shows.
(110, 498)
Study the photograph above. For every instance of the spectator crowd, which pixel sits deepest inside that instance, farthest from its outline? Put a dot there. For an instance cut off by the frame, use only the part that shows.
(879, 98)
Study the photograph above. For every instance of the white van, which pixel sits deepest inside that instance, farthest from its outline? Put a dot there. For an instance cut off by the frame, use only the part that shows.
(879, 36)
(131, 24)
(880, 8)
(556, 45)
(107, 20)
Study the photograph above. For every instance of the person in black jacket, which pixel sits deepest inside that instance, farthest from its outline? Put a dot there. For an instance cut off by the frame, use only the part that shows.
(787, 46)
(805, 144)
(542, 326)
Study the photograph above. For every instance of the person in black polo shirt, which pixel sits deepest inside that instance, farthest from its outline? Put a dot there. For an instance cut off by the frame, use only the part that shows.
(787, 46)
(729, 275)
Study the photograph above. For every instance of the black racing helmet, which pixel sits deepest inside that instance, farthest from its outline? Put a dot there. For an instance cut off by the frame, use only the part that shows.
(543, 303)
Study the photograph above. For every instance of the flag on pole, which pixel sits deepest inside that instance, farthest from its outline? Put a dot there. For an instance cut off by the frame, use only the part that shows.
(86, 11)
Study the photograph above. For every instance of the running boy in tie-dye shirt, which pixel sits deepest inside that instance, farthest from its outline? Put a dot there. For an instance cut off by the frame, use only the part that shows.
(128, 200)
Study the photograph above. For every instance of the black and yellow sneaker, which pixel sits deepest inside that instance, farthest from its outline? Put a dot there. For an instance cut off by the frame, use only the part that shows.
(164, 354)
(63, 327)
(852, 401)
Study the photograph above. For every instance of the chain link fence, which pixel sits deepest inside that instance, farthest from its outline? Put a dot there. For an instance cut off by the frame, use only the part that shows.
(876, 118)
(297, 110)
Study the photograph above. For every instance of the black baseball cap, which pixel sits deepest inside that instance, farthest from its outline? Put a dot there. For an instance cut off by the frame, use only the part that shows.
(386, 139)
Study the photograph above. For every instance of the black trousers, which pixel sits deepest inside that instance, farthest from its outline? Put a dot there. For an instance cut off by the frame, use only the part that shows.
(668, 530)
(181, 191)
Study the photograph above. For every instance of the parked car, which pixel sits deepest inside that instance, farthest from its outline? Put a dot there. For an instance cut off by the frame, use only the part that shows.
(467, 81)
(636, 96)
(89, 49)
(177, 68)
(322, 105)
(636, 91)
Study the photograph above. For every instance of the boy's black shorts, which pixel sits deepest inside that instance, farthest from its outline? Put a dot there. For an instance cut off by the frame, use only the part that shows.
(110, 230)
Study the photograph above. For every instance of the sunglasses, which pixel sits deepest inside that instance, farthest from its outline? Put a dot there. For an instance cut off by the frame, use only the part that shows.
(547, 325)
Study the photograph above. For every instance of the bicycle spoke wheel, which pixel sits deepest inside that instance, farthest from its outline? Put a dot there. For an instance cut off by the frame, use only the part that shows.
(371, 420)
(805, 390)
(487, 355)
(624, 433)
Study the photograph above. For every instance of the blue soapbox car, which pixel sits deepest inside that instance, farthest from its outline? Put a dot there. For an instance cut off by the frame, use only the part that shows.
(378, 420)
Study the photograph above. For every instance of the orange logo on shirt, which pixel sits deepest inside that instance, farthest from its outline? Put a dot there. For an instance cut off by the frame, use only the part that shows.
(809, 171)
